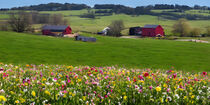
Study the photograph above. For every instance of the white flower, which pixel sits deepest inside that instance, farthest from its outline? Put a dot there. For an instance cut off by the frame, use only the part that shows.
(169, 98)
(198, 97)
(2, 91)
(32, 103)
(44, 101)
(177, 96)
(25, 90)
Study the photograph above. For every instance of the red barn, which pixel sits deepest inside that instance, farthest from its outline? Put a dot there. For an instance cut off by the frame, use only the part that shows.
(152, 31)
(56, 30)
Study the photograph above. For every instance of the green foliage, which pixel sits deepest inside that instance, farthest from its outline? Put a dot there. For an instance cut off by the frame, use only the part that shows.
(115, 28)
(208, 31)
(182, 28)
(195, 32)
(88, 15)
(22, 48)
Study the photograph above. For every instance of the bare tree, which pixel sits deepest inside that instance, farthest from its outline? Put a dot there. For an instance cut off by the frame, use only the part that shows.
(115, 28)
(182, 28)
(20, 22)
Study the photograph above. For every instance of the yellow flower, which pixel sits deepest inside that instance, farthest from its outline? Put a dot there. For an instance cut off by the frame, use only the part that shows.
(73, 94)
(165, 86)
(79, 80)
(2, 98)
(191, 88)
(70, 67)
(33, 93)
(22, 100)
(12, 92)
(84, 98)
(166, 99)
(158, 89)
(44, 79)
(47, 92)
(185, 97)
(26, 84)
(181, 89)
(193, 96)
(70, 93)
(141, 81)
(125, 97)
(64, 96)
(161, 100)
(17, 101)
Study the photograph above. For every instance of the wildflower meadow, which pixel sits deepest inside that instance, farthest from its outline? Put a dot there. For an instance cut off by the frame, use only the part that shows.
(61, 84)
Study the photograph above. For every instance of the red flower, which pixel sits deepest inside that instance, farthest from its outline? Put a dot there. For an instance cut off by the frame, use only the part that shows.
(134, 80)
(146, 74)
(174, 75)
(204, 73)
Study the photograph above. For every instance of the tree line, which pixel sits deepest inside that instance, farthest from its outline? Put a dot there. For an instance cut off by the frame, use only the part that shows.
(53, 7)
(23, 21)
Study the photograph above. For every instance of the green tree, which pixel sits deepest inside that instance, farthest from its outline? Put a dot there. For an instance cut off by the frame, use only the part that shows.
(195, 32)
(208, 31)
(115, 28)
(181, 28)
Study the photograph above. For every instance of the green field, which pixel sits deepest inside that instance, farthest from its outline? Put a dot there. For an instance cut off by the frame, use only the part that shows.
(95, 25)
(19, 48)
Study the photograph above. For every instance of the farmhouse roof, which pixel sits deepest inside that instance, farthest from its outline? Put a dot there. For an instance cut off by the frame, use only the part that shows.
(150, 26)
(54, 27)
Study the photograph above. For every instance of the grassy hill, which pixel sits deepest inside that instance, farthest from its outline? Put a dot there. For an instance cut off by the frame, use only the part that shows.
(96, 25)
(19, 48)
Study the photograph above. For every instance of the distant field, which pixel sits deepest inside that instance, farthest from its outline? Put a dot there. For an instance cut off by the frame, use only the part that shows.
(19, 48)
(96, 25)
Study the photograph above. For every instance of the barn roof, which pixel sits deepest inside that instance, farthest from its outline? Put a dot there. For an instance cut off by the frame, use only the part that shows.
(150, 26)
(54, 27)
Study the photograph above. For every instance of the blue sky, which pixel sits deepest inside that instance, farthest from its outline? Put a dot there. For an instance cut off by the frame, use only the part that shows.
(132, 3)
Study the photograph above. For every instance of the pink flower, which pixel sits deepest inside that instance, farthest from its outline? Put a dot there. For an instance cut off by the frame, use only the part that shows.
(128, 78)
(204, 73)
(105, 96)
(68, 80)
(141, 77)
(174, 75)
(106, 77)
(150, 87)
(140, 90)
(86, 82)
(168, 89)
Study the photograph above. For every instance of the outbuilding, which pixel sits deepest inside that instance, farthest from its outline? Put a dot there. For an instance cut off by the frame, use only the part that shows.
(56, 30)
(153, 31)
(135, 31)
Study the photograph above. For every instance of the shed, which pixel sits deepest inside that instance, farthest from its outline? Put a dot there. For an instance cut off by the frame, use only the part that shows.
(56, 30)
(85, 39)
(152, 31)
(135, 31)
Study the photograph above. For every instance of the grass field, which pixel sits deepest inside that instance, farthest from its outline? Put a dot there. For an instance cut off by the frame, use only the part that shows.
(96, 25)
(19, 48)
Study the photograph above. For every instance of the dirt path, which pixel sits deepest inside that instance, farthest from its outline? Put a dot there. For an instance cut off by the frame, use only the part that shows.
(193, 40)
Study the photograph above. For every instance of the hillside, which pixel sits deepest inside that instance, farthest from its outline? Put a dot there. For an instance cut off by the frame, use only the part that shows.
(18, 48)
(100, 22)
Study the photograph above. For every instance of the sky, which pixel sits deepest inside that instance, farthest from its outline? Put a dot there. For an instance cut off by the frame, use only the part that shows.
(131, 3)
